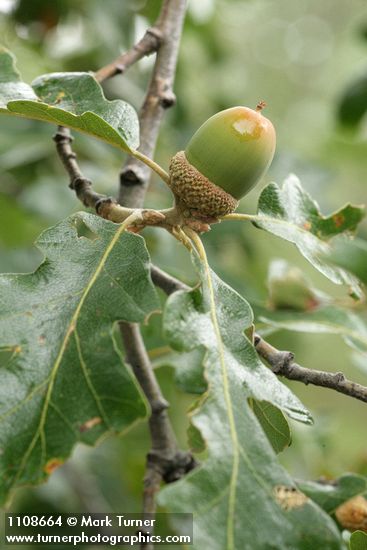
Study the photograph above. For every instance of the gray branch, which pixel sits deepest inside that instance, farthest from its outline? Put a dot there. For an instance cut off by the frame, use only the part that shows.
(166, 282)
(282, 363)
(78, 182)
(146, 46)
(134, 177)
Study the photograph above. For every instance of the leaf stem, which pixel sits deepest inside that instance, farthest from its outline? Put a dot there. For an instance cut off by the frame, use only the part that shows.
(245, 217)
(181, 236)
(199, 247)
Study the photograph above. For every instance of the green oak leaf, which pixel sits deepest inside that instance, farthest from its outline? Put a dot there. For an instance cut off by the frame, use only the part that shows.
(74, 100)
(358, 541)
(63, 380)
(274, 424)
(189, 376)
(290, 213)
(352, 256)
(331, 495)
(329, 320)
(238, 495)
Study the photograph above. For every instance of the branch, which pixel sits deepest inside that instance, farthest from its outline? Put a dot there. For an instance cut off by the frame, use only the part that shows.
(78, 182)
(134, 177)
(282, 364)
(146, 46)
(164, 461)
(103, 205)
(166, 282)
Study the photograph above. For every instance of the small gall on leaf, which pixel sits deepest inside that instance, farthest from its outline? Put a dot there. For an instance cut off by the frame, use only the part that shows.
(338, 219)
(289, 497)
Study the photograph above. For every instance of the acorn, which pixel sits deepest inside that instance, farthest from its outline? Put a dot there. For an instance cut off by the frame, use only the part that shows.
(222, 162)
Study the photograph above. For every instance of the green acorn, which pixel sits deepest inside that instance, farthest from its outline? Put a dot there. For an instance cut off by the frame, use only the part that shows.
(223, 161)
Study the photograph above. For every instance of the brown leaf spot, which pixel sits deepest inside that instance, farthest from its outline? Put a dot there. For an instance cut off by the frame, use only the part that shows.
(52, 464)
(59, 97)
(289, 497)
(89, 424)
(312, 303)
(17, 349)
(352, 514)
(42, 339)
(338, 219)
(307, 225)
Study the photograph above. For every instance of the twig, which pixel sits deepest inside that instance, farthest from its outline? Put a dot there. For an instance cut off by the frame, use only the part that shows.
(282, 363)
(78, 182)
(164, 461)
(134, 177)
(104, 206)
(146, 46)
(166, 282)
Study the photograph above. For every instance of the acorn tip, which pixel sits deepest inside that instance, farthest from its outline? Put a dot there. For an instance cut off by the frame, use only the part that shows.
(260, 106)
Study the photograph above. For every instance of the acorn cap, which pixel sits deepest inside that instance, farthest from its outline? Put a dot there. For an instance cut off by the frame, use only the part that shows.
(197, 194)
(233, 149)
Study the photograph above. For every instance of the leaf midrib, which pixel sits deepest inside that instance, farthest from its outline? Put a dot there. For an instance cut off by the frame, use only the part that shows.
(230, 413)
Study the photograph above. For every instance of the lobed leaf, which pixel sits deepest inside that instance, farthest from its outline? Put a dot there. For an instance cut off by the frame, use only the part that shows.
(189, 377)
(290, 213)
(63, 378)
(240, 496)
(330, 495)
(74, 100)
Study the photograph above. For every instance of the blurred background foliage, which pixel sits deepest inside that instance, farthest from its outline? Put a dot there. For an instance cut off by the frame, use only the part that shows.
(308, 61)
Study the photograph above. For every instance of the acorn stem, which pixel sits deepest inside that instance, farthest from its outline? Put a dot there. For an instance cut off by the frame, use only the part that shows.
(152, 164)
